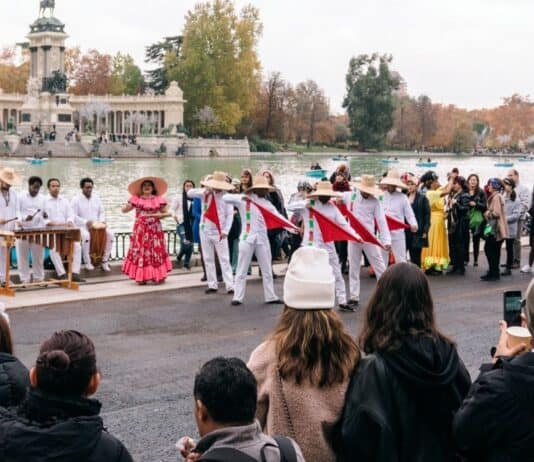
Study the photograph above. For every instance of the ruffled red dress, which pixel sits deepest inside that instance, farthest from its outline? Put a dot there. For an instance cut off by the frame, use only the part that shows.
(147, 258)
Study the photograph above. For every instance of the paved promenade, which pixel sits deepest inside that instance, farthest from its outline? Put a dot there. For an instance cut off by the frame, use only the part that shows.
(150, 345)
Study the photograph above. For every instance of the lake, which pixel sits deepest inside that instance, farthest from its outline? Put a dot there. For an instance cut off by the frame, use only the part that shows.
(111, 180)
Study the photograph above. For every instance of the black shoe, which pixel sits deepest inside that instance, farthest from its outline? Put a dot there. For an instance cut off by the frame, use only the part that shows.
(460, 272)
(503, 265)
(475, 264)
(187, 267)
(490, 278)
(76, 278)
(506, 272)
(63, 277)
(275, 302)
(236, 303)
(230, 292)
(210, 291)
(346, 307)
(353, 303)
(275, 276)
(179, 264)
(452, 270)
(219, 279)
(203, 279)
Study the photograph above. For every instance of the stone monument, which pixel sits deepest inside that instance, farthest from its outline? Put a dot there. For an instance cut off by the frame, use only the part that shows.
(46, 104)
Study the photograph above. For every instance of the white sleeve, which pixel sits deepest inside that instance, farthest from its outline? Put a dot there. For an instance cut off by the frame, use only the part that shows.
(234, 199)
(229, 212)
(176, 208)
(71, 217)
(196, 193)
(74, 213)
(297, 206)
(408, 213)
(385, 235)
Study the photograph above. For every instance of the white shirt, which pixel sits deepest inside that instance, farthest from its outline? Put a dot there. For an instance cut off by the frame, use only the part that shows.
(328, 210)
(367, 211)
(58, 210)
(176, 208)
(224, 210)
(85, 209)
(9, 209)
(258, 228)
(28, 206)
(398, 206)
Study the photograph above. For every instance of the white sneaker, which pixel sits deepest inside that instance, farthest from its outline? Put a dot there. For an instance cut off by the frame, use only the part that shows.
(89, 267)
(105, 267)
(526, 269)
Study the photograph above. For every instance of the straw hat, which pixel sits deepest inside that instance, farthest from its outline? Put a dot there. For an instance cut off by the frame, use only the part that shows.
(324, 188)
(160, 184)
(9, 176)
(217, 181)
(260, 182)
(367, 184)
(309, 282)
(393, 178)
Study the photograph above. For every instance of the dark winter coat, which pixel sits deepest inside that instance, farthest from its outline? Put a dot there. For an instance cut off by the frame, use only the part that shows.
(400, 404)
(421, 210)
(14, 380)
(496, 420)
(49, 428)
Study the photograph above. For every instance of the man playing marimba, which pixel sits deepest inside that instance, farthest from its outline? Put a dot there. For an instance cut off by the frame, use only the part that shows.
(89, 216)
(8, 209)
(30, 216)
(58, 212)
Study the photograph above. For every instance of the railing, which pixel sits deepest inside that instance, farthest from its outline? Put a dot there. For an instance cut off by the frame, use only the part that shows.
(122, 243)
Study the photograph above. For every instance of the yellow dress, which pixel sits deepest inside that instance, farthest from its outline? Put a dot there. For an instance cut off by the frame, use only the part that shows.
(436, 255)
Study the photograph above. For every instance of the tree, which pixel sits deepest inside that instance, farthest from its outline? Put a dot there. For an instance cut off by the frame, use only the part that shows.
(14, 70)
(157, 79)
(312, 108)
(426, 117)
(92, 74)
(369, 101)
(218, 64)
(126, 77)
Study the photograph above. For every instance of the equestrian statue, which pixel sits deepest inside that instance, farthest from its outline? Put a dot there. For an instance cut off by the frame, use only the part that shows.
(47, 5)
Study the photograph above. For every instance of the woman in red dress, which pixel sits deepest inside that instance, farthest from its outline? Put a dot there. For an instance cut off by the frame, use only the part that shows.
(147, 258)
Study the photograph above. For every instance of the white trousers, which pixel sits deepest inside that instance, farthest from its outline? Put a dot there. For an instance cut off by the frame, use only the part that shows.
(263, 255)
(333, 259)
(76, 260)
(212, 244)
(373, 254)
(23, 260)
(86, 245)
(398, 247)
(2, 264)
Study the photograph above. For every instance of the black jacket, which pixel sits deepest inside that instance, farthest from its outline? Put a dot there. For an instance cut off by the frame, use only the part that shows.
(400, 404)
(496, 421)
(57, 429)
(14, 380)
(421, 210)
(479, 198)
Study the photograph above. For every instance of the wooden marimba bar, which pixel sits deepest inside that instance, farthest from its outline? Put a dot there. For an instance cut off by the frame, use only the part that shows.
(60, 239)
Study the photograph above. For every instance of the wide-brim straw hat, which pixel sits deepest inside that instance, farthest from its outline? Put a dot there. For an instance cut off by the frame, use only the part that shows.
(367, 184)
(160, 184)
(218, 181)
(393, 178)
(260, 182)
(324, 188)
(10, 176)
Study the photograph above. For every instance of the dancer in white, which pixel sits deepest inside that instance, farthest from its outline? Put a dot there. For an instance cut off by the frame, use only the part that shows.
(254, 238)
(320, 200)
(8, 210)
(88, 213)
(397, 205)
(31, 207)
(58, 212)
(365, 206)
(215, 224)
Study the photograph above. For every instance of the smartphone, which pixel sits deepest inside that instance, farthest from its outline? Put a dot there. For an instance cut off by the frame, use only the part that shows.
(512, 307)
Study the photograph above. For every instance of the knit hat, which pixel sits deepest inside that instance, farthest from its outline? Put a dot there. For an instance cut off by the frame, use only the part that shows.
(528, 308)
(309, 283)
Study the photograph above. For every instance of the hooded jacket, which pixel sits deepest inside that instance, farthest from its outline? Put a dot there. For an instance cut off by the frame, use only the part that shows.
(496, 421)
(49, 428)
(14, 380)
(400, 404)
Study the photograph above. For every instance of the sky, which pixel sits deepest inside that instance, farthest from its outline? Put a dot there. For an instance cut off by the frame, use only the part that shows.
(470, 53)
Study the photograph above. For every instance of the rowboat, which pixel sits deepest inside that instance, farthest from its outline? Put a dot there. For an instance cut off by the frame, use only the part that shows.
(504, 164)
(339, 158)
(316, 173)
(101, 160)
(427, 164)
(526, 159)
(35, 161)
(390, 161)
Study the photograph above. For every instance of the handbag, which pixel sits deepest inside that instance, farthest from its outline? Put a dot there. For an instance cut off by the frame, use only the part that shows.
(490, 229)
(475, 218)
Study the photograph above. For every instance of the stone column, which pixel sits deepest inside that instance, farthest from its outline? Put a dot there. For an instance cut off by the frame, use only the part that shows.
(62, 59)
(46, 49)
(34, 61)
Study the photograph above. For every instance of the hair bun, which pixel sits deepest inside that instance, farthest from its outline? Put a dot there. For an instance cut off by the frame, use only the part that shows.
(58, 359)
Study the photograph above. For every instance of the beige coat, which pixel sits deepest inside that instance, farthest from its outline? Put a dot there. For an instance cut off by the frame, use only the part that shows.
(314, 411)
(496, 211)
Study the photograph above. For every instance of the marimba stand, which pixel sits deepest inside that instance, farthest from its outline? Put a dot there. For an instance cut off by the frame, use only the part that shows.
(8, 240)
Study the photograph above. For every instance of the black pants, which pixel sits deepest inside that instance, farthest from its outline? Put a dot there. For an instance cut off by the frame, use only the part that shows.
(415, 252)
(457, 246)
(509, 253)
(476, 245)
(492, 249)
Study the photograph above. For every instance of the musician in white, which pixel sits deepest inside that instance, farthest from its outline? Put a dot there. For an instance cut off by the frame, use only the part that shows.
(88, 209)
(397, 205)
(8, 210)
(58, 212)
(30, 216)
(213, 240)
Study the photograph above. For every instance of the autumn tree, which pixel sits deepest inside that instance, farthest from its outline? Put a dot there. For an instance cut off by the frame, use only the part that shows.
(126, 76)
(312, 110)
(426, 118)
(92, 74)
(157, 53)
(217, 65)
(14, 70)
(369, 101)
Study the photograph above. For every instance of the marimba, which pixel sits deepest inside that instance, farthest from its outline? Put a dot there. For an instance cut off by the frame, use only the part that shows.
(60, 239)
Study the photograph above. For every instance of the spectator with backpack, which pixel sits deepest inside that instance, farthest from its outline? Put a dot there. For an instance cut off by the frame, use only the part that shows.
(225, 394)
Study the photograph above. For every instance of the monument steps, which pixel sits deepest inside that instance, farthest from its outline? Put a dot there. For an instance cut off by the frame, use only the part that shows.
(58, 148)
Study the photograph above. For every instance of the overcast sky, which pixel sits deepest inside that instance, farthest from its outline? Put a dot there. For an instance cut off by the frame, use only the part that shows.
(465, 52)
